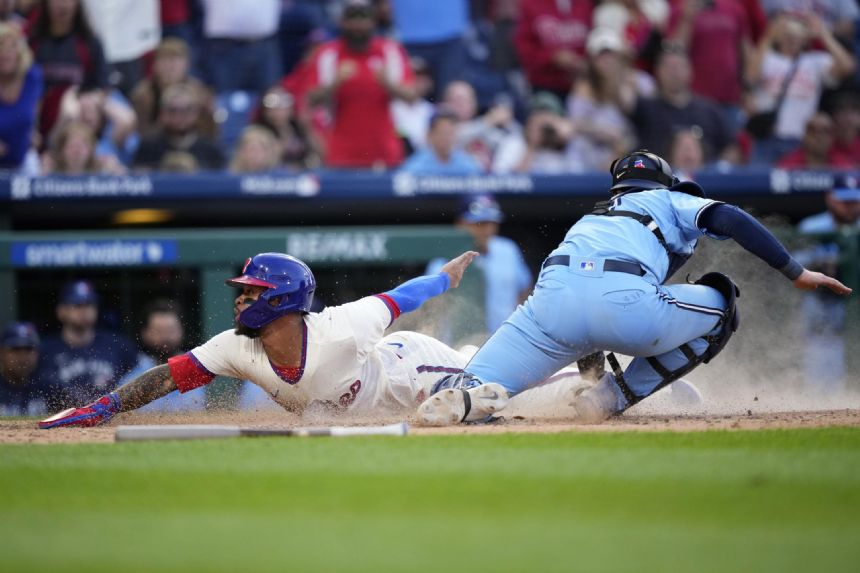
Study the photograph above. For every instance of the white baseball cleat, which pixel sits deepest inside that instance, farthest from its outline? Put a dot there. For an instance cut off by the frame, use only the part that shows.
(455, 405)
(593, 404)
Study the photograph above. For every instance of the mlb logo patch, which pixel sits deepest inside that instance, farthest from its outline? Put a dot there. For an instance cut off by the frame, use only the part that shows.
(586, 266)
(638, 163)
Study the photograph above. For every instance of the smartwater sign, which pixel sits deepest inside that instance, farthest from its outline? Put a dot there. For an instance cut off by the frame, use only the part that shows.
(115, 253)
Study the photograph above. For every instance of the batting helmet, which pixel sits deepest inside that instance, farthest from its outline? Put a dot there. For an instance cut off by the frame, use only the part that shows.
(641, 169)
(289, 283)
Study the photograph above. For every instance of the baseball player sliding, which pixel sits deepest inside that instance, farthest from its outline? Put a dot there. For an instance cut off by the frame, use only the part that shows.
(603, 288)
(337, 357)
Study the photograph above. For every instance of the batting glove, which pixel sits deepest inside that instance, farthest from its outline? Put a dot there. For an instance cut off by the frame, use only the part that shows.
(95, 414)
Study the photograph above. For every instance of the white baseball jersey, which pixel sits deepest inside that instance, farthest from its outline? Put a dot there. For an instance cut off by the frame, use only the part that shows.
(345, 361)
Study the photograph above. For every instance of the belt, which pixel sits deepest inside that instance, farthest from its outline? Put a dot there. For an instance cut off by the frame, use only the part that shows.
(609, 265)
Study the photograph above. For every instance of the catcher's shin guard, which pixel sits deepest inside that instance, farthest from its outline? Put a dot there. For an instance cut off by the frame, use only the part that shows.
(731, 319)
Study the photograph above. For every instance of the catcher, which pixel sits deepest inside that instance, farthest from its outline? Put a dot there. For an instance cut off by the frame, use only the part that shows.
(338, 357)
(603, 288)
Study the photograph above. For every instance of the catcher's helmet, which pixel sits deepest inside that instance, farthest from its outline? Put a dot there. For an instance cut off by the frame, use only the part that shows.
(289, 283)
(641, 169)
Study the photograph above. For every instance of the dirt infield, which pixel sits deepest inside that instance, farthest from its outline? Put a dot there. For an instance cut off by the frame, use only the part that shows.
(25, 431)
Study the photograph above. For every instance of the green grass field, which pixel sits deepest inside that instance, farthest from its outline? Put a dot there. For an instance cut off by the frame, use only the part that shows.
(712, 501)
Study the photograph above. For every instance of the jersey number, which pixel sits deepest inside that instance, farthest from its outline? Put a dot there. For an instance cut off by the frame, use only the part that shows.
(349, 397)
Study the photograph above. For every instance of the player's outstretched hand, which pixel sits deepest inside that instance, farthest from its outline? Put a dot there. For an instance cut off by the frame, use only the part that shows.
(457, 266)
(811, 280)
(95, 414)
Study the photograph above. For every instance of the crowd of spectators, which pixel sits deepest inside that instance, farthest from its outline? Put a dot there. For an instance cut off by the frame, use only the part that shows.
(544, 86)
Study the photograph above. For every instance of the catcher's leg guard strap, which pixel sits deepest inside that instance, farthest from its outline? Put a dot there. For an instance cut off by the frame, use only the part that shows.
(669, 376)
(619, 380)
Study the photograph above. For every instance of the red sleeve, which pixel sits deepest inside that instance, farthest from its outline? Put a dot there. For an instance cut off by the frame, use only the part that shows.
(392, 305)
(188, 373)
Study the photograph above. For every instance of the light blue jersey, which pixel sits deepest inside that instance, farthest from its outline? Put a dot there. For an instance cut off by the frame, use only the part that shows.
(601, 289)
(675, 214)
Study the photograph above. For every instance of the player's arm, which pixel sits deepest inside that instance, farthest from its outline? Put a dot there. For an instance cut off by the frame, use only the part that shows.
(151, 385)
(148, 387)
(730, 221)
(413, 293)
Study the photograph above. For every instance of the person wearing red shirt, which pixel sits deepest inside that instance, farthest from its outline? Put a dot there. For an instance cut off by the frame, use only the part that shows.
(846, 125)
(718, 36)
(550, 40)
(358, 75)
(816, 149)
